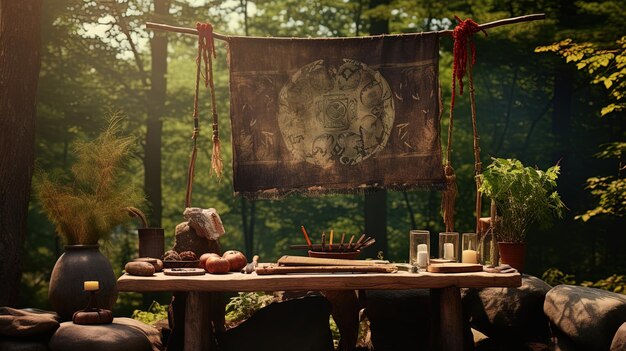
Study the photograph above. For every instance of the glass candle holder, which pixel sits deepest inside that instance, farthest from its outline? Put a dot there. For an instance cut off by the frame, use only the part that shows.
(419, 248)
(469, 248)
(449, 246)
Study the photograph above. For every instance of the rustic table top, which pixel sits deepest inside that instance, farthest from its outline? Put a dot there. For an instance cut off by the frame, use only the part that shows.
(322, 281)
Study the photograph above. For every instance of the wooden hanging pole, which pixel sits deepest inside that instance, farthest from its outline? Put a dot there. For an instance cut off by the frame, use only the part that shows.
(447, 32)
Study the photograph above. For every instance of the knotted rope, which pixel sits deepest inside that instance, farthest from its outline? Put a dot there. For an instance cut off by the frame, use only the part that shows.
(462, 34)
(206, 53)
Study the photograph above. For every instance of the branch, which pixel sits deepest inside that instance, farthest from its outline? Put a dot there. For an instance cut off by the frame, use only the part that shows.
(121, 22)
(503, 22)
(447, 32)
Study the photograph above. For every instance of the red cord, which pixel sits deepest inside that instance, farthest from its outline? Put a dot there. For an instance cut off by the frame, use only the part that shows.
(461, 34)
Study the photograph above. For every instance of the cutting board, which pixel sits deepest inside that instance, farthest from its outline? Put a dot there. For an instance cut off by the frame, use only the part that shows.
(275, 269)
(314, 261)
(454, 267)
(183, 271)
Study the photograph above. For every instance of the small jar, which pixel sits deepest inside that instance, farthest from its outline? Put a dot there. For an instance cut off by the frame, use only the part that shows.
(419, 248)
(448, 246)
(469, 248)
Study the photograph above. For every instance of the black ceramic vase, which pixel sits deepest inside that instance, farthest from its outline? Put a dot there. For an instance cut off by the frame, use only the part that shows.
(78, 264)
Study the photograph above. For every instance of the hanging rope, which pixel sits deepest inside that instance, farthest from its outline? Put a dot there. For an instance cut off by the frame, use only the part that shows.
(478, 165)
(206, 53)
(462, 34)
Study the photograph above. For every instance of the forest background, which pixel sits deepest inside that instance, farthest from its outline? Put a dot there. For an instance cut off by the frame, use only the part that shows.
(97, 58)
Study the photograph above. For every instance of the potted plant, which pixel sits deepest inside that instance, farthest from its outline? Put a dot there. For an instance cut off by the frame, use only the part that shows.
(85, 208)
(523, 196)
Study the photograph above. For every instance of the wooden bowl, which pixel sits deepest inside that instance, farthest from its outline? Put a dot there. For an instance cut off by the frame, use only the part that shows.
(346, 255)
(181, 264)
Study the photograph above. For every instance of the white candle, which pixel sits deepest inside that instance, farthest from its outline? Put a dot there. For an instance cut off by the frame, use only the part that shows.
(469, 256)
(422, 247)
(448, 251)
(91, 285)
(422, 259)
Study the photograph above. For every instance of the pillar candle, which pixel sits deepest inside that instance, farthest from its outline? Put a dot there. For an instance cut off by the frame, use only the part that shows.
(448, 251)
(91, 285)
(469, 256)
(422, 247)
(422, 259)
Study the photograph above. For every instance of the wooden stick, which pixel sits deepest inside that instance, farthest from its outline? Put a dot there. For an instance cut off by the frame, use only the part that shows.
(350, 243)
(306, 236)
(323, 240)
(368, 243)
(362, 244)
(330, 241)
(358, 242)
(447, 32)
(343, 236)
(503, 22)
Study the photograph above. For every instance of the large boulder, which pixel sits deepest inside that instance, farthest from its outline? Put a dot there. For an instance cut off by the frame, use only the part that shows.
(589, 317)
(298, 324)
(511, 316)
(619, 339)
(123, 334)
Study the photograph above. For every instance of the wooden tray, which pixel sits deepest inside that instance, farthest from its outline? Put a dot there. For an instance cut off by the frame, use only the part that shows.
(267, 269)
(315, 261)
(455, 267)
(183, 271)
(181, 264)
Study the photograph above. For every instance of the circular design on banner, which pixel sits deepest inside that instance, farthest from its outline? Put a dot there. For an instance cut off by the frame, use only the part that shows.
(329, 114)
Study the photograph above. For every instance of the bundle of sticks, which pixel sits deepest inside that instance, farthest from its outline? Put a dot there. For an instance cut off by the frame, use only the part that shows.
(351, 245)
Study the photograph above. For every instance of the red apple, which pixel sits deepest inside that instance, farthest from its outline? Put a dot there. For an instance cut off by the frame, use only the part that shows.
(236, 259)
(217, 265)
(205, 256)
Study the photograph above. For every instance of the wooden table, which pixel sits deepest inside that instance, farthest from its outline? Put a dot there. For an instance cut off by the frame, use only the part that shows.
(444, 291)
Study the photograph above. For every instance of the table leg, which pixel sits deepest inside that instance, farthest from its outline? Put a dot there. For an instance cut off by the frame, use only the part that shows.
(345, 311)
(449, 324)
(198, 331)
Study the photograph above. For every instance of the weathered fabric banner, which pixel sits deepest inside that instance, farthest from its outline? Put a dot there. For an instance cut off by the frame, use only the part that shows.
(335, 115)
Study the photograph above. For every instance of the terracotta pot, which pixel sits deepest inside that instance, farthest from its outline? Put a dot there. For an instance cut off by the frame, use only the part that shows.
(78, 264)
(513, 254)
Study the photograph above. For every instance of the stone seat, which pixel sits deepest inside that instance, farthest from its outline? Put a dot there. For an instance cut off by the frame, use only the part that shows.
(26, 329)
(123, 334)
(586, 318)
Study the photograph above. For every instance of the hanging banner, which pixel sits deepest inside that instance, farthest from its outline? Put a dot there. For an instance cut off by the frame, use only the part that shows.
(335, 115)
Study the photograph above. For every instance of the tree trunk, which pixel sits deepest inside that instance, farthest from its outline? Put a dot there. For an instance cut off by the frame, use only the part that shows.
(156, 106)
(376, 201)
(20, 36)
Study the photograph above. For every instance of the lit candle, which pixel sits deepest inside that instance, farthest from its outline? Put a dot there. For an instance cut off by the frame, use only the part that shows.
(448, 251)
(91, 285)
(422, 247)
(422, 259)
(469, 256)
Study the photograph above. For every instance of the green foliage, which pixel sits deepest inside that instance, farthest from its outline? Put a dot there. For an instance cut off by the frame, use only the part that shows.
(606, 67)
(554, 276)
(615, 283)
(87, 207)
(155, 313)
(243, 306)
(524, 195)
